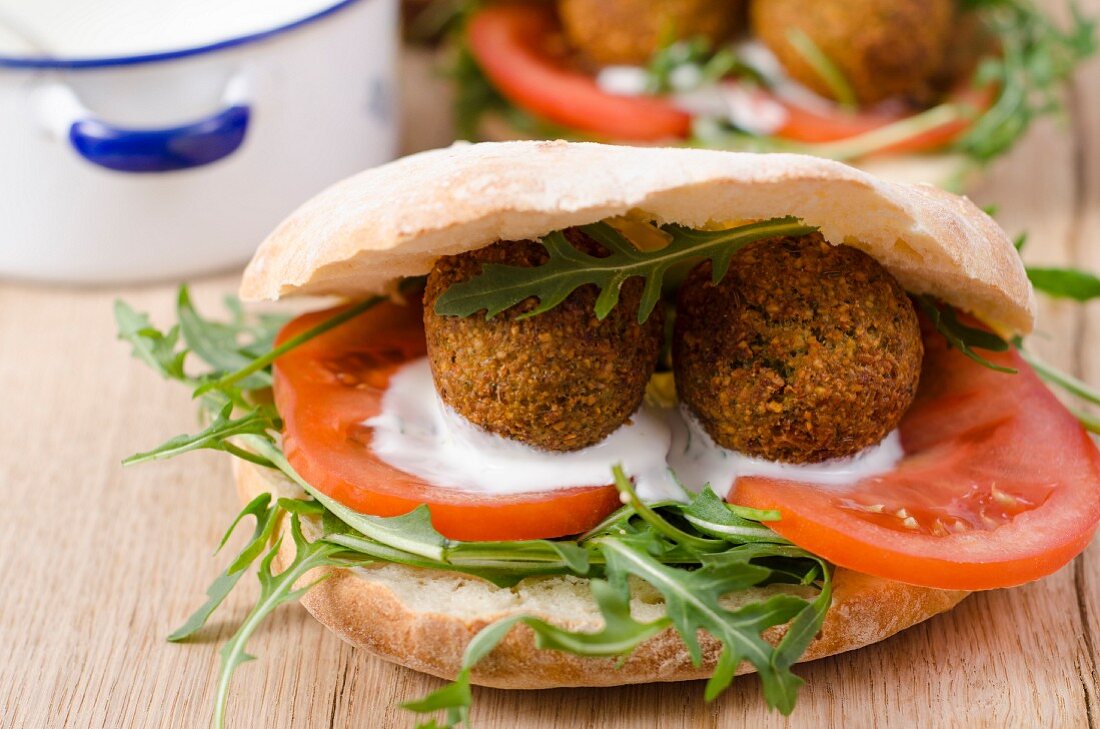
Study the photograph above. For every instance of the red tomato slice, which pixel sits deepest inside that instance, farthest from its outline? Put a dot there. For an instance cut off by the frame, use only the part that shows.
(834, 124)
(519, 49)
(326, 388)
(1000, 485)
(513, 46)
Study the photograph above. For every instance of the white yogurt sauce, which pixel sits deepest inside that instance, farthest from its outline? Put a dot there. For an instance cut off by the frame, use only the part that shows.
(697, 460)
(416, 433)
(730, 101)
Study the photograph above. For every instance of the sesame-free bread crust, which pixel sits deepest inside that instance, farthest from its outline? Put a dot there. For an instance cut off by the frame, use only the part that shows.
(423, 619)
(363, 234)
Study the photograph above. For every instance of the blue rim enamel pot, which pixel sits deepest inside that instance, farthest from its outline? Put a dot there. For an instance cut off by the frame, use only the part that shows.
(146, 141)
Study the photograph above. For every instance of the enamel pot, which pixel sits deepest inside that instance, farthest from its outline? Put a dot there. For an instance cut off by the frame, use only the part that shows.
(143, 140)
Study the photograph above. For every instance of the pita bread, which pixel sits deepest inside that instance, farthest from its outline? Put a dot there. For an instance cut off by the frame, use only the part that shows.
(363, 234)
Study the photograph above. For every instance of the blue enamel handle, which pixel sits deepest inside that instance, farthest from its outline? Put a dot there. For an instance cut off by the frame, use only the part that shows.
(161, 150)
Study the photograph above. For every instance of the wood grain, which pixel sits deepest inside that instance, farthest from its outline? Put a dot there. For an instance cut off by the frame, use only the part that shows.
(99, 563)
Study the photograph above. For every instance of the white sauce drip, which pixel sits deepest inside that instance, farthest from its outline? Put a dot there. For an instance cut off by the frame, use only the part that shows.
(416, 433)
(697, 459)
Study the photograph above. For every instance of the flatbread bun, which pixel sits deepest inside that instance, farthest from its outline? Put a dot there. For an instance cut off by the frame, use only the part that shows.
(423, 619)
(363, 234)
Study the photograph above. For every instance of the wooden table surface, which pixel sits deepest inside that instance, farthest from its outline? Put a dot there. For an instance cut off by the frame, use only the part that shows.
(98, 564)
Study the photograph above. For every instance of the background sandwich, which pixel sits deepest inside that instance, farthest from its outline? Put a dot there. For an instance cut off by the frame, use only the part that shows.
(917, 90)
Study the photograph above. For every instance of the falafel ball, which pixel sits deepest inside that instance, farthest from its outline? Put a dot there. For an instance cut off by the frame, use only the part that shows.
(804, 352)
(561, 380)
(631, 31)
(884, 48)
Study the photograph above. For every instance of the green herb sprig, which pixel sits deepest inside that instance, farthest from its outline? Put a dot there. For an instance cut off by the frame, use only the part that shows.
(1065, 283)
(824, 67)
(1036, 57)
(499, 287)
(965, 338)
(693, 58)
(691, 553)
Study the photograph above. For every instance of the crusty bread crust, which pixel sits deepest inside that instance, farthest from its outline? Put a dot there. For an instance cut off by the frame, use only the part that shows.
(423, 619)
(362, 234)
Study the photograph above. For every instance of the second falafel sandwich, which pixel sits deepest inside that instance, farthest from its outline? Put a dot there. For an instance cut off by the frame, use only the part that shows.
(680, 413)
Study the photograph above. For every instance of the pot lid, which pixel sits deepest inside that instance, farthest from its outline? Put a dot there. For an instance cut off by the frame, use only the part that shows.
(61, 33)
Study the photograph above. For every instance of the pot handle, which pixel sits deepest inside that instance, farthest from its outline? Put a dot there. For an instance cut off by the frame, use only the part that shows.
(166, 149)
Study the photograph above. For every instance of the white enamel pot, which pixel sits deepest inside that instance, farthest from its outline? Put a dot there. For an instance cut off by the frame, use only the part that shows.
(167, 139)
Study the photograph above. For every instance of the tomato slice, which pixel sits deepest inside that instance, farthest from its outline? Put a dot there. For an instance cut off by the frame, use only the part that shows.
(834, 124)
(519, 49)
(513, 44)
(1000, 485)
(327, 387)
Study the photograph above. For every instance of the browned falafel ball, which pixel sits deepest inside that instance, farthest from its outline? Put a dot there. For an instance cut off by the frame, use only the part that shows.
(561, 380)
(631, 31)
(802, 353)
(884, 48)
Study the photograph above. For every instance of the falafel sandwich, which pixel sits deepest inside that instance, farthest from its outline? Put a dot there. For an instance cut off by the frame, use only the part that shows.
(921, 90)
(590, 415)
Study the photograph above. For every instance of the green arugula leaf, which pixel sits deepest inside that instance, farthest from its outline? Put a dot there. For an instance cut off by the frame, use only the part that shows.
(499, 287)
(692, 602)
(264, 514)
(1065, 283)
(824, 67)
(620, 635)
(661, 525)
(964, 338)
(274, 591)
(150, 345)
(713, 516)
(234, 379)
(1036, 57)
(1054, 376)
(1089, 420)
(706, 66)
(800, 633)
(215, 436)
(216, 343)
(570, 555)
(412, 532)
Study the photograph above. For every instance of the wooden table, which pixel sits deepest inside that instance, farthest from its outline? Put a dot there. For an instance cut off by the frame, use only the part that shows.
(98, 564)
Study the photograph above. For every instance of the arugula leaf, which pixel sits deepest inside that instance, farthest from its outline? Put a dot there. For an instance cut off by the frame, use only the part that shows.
(150, 345)
(412, 532)
(499, 287)
(238, 377)
(265, 514)
(1036, 57)
(711, 515)
(274, 591)
(215, 436)
(661, 525)
(824, 67)
(692, 601)
(964, 338)
(214, 342)
(1067, 382)
(620, 635)
(1065, 283)
(704, 66)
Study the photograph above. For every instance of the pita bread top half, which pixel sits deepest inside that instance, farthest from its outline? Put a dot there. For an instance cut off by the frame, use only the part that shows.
(361, 235)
